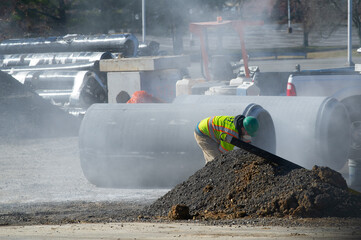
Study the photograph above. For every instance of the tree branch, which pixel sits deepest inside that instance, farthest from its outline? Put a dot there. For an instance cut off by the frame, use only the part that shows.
(34, 10)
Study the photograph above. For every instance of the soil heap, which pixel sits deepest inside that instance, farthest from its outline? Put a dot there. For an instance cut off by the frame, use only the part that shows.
(24, 114)
(240, 184)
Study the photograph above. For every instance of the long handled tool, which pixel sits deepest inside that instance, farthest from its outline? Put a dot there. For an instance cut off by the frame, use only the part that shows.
(263, 153)
(272, 157)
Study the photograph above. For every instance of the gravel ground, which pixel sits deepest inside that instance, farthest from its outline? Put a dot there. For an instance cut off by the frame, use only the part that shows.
(42, 183)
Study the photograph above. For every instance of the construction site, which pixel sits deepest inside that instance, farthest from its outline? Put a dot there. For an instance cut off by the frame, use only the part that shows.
(97, 138)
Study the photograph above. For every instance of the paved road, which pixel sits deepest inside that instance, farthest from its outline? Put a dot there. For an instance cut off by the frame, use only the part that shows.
(266, 36)
(271, 36)
(287, 65)
(184, 231)
(48, 170)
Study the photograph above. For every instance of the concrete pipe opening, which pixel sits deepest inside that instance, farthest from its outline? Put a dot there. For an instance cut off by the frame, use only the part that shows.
(333, 133)
(351, 99)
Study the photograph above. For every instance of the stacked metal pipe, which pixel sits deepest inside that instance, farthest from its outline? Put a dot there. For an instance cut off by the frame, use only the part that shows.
(65, 88)
(65, 69)
(67, 79)
(20, 61)
(126, 44)
(57, 68)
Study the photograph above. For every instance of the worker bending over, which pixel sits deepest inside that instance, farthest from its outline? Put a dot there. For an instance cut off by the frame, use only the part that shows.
(214, 134)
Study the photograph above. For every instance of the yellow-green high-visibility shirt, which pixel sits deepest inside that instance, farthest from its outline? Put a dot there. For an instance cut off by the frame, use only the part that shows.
(221, 129)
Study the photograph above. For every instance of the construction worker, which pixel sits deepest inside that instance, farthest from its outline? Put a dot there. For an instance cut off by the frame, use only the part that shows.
(214, 134)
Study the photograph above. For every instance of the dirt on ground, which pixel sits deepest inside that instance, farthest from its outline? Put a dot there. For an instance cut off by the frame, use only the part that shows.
(117, 212)
(237, 188)
(239, 184)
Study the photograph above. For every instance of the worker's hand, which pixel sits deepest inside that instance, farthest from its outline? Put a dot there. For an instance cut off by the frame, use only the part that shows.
(246, 138)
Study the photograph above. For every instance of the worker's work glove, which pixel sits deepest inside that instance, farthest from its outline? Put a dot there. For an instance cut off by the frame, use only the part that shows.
(246, 138)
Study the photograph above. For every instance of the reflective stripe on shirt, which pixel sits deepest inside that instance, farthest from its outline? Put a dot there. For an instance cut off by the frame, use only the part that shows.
(211, 130)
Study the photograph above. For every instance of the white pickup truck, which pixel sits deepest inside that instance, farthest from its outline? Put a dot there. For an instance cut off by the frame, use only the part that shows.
(321, 83)
(345, 86)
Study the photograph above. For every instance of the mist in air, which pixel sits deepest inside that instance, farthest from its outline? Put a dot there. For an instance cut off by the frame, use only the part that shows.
(150, 145)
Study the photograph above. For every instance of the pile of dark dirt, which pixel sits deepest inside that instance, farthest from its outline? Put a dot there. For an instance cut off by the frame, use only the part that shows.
(24, 114)
(240, 184)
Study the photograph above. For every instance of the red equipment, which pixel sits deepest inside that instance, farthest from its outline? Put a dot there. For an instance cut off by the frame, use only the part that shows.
(200, 29)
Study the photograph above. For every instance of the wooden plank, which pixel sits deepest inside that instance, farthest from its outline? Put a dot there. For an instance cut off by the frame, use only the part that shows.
(144, 63)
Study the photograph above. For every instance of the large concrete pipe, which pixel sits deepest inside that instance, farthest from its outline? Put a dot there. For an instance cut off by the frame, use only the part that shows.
(127, 44)
(309, 130)
(73, 88)
(152, 145)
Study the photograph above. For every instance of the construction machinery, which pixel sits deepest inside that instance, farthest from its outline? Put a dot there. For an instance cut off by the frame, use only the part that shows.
(218, 62)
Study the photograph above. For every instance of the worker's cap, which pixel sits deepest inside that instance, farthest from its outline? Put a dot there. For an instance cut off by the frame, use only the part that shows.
(251, 125)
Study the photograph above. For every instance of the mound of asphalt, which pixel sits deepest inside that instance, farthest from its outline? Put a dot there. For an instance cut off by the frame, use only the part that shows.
(24, 114)
(239, 184)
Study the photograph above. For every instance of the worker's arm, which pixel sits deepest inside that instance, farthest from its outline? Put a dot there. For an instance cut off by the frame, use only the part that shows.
(225, 137)
(228, 138)
(246, 138)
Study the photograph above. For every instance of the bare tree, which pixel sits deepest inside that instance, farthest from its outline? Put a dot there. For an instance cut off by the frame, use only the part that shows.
(356, 17)
(356, 13)
(321, 16)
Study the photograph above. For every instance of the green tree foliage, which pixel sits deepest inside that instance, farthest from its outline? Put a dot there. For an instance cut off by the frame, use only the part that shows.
(6, 22)
(101, 16)
(166, 17)
(49, 17)
(41, 17)
(38, 15)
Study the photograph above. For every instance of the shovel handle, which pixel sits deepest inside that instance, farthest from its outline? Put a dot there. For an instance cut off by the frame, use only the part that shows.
(264, 154)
